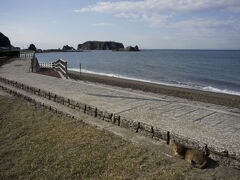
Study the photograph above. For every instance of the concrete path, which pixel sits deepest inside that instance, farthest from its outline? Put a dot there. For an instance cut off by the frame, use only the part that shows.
(216, 126)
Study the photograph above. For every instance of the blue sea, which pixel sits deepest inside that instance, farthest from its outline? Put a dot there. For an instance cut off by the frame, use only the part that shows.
(209, 70)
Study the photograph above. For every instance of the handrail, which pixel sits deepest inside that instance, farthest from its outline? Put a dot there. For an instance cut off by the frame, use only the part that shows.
(61, 65)
(58, 65)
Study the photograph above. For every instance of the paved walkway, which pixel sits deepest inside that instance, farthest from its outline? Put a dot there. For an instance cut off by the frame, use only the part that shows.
(214, 125)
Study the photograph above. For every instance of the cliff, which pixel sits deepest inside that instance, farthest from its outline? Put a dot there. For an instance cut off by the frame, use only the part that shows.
(6, 49)
(100, 45)
(4, 41)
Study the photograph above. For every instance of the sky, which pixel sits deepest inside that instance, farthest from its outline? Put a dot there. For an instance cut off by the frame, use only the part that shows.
(150, 24)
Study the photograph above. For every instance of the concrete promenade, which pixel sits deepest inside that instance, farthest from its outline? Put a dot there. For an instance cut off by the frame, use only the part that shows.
(212, 126)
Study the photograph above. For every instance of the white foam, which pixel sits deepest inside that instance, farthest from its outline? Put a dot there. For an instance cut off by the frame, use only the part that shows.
(225, 91)
(208, 88)
(128, 78)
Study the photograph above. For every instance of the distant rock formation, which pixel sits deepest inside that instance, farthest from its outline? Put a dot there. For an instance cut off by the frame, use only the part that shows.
(39, 51)
(52, 50)
(129, 48)
(32, 47)
(6, 49)
(5, 44)
(4, 41)
(68, 48)
(100, 45)
(136, 48)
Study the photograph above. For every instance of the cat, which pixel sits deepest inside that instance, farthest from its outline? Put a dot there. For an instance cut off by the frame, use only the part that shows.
(195, 157)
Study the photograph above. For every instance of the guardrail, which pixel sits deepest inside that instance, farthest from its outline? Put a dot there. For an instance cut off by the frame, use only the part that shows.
(59, 65)
(27, 54)
(46, 65)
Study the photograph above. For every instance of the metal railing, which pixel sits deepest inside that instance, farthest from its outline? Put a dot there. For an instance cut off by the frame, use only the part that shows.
(27, 54)
(61, 65)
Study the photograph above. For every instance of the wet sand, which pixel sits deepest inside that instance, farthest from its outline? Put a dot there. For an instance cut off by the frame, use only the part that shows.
(192, 94)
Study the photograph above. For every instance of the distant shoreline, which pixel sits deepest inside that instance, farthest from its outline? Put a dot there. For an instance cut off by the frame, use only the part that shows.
(56, 50)
(186, 93)
(53, 51)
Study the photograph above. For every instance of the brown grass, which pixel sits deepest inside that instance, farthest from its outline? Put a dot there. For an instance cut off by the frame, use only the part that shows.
(38, 144)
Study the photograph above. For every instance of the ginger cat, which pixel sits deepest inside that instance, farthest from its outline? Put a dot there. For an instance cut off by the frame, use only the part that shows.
(196, 158)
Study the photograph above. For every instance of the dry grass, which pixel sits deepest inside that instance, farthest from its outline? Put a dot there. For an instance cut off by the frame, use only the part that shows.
(38, 144)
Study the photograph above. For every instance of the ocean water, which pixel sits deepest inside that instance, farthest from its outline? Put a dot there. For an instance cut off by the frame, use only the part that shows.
(209, 70)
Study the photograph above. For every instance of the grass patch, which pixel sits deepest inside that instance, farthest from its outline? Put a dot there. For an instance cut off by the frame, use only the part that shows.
(38, 144)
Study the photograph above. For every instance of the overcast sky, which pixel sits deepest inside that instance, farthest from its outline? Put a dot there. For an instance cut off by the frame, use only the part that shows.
(152, 24)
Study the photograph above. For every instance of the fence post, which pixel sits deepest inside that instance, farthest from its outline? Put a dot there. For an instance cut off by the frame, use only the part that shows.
(66, 70)
(80, 66)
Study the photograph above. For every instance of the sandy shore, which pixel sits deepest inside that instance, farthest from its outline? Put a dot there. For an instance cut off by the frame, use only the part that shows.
(192, 94)
(49, 73)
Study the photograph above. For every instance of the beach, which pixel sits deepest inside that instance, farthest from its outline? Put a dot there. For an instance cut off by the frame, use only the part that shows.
(210, 128)
(187, 93)
(206, 70)
(120, 89)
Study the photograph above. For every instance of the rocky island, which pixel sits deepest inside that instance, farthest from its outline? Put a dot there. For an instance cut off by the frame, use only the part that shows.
(65, 48)
(32, 47)
(129, 48)
(105, 45)
(100, 45)
(68, 48)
